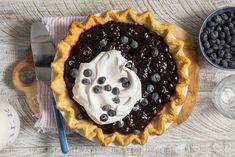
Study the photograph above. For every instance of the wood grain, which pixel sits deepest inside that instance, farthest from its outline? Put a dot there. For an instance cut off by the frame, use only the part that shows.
(205, 133)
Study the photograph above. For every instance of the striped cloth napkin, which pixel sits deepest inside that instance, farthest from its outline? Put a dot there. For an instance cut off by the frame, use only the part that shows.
(58, 28)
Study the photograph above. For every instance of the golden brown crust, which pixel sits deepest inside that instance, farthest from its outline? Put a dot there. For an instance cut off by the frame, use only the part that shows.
(89, 129)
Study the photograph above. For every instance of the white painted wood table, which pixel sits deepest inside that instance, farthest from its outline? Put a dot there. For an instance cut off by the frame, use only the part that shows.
(205, 133)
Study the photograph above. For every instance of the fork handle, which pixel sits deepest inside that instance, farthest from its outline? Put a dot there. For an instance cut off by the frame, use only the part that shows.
(61, 132)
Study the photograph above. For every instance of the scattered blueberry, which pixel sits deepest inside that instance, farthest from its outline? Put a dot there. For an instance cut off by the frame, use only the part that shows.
(123, 80)
(134, 69)
(126, 84)
(107, 87)
(101, 80)
(97, 89)
(137, 132)
(150, 88)
(79, 116)
(134, 44)
(145, 94)
(155, 96)
(115, 91)
(120, 124)
(155, 77)
(106, 107)
(74, 73)
(116, 100)
(155, 51)
(144, 102)
(124, 39)
(103, 42)
(86, 81)
(87, 72)
(111, 113)
(104, 117)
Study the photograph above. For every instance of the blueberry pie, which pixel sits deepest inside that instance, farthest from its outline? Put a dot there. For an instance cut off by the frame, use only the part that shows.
(119, 77)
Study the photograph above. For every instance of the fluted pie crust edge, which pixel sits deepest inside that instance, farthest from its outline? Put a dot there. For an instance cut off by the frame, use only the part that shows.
(65, 103)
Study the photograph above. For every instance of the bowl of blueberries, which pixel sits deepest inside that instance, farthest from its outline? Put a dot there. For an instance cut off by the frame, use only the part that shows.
(217, 38)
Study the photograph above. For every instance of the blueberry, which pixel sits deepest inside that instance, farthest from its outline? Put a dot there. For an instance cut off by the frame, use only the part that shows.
(221, 35)
(124, 39)
(155, 51)
(144, 102)
(227, 55)
(226, 29)
(87, 72)
(136, 131)
(116, 100)
(230, 25)
(226, 46)
(126, 84)
(222, 42)
(215, 46)
(224, 16)
(204, 37)
(218, 28)
(86, 81)
(123, 80)
(211, 24)
(233, 58)
(134, 69)
(232, 64)
(213, 56)
(155, 96)
(206, 30)
(120, 124)
(217, 60)
(208, 51)
(233, 49)
(97, 89)
(104, 117)
(103, 42)
(232, 43)
(150, 88)
(145, 94)
(218, 41)
(74, 73)
(155, 77)
(115, 91)
(228, 39)
(112, 113)
(101, 80)
(217, 19)
(134, 44)
(224, 63)
(206, 44)
(230, 15)
(79, 116)
(214, 35)
(107, 87)
(106, 107)
(129, 65)
(221, 53)
(227, 51)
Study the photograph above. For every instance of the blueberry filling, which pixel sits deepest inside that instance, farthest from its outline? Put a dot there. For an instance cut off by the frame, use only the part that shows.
(148, 56)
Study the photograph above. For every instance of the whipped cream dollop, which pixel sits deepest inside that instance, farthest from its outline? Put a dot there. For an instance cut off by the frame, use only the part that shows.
(111, 65)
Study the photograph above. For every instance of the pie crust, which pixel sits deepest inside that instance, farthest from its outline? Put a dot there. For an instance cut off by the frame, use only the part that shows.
(66, 104)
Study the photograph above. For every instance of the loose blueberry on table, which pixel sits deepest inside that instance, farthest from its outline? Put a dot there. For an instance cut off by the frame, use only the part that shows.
(149, 58)
(218, 40)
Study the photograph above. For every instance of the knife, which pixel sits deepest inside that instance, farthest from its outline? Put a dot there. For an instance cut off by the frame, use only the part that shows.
(43, 51)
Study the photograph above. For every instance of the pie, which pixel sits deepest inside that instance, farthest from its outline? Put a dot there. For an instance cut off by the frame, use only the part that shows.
(120, 76)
